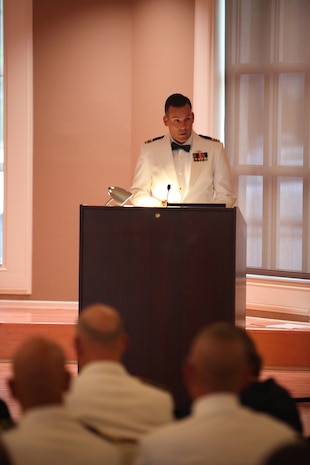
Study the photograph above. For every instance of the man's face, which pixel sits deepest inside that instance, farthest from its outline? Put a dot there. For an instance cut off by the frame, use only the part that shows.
(180, 122)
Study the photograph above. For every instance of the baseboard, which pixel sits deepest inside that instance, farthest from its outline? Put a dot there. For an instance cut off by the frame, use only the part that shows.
(265, 299)
(35, 311)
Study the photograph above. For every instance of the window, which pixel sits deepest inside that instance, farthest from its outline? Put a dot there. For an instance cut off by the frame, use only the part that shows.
(267, 129)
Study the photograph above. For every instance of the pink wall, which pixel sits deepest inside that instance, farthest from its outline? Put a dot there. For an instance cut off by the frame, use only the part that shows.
(102, 71)
(163, 61)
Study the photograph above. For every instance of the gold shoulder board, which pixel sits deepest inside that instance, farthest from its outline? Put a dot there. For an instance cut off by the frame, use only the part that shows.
(152, 140)
(210, 138)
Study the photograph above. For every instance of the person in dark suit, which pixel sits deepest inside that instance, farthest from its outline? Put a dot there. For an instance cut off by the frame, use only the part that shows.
(6, 420)
(290, 453)
(267, 395)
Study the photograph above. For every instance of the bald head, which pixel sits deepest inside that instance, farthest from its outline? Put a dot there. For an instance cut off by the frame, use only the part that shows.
(216, 361)
(39, 374)
(100, 334)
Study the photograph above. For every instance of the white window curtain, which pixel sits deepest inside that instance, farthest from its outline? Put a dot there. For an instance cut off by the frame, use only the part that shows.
(267, 129)
(209, 68)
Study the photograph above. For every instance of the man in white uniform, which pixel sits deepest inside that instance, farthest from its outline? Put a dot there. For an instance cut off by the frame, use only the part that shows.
(219, 430)
(47, 434)
(182, 166)
(104, 395)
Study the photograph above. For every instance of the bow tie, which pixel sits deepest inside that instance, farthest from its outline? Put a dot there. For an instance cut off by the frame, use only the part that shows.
(176, 146)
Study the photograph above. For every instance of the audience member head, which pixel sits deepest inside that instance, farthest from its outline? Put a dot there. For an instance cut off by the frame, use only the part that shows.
(294, 453)
(100, 335)
(39, 374)
(216, 361)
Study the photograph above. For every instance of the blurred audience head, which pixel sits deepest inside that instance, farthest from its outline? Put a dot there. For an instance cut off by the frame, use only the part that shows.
(295, 453)
(100, 335)
(39, 374)
(216, 361)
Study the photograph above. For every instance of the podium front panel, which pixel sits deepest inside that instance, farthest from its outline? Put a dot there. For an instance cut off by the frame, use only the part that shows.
(169, 271)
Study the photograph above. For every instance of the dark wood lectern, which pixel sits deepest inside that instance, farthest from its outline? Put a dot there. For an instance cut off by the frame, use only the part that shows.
(169, 271)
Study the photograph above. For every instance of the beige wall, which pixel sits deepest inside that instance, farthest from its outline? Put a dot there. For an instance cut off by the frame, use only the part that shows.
(102, 71)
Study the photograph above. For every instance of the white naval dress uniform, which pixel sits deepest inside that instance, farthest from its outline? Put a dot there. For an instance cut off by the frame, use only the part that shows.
(219, 431)
(204, 175)
(50, 436)
(105, 396)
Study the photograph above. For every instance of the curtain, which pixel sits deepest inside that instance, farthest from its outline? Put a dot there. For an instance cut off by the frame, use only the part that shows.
(267, 122)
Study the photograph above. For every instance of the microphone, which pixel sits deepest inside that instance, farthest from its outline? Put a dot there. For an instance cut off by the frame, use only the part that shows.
(168, 189)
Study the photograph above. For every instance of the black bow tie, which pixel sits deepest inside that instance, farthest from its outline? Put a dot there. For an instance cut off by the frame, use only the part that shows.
(176, 146)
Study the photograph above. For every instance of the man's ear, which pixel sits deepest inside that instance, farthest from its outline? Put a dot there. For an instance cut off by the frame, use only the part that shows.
(165, 120)
(190, 378)
(77, 344)
(68, 378)
(124, 342)
(193, 116)
(12, 388)
(187, 370)
(247, 377)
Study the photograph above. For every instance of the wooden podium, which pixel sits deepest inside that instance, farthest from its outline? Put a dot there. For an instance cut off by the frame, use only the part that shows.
(169, 271)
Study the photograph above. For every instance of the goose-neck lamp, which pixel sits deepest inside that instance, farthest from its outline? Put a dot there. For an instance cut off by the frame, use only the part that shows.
(118, 195)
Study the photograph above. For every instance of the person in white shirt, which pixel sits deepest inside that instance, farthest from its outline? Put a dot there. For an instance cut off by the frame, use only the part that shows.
(46, 433)
(219, 430)
(105, 395)
(182, 166)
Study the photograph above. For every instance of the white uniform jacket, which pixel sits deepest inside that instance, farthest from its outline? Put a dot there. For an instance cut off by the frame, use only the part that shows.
(50, 436)
(219, 431)
(105, 396)
(210, 175)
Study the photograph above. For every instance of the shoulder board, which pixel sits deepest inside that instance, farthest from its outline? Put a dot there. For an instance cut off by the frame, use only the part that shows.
(152, 140)
(210, 138)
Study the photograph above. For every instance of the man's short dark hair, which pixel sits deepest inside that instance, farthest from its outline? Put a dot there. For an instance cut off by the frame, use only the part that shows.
(177, 100)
